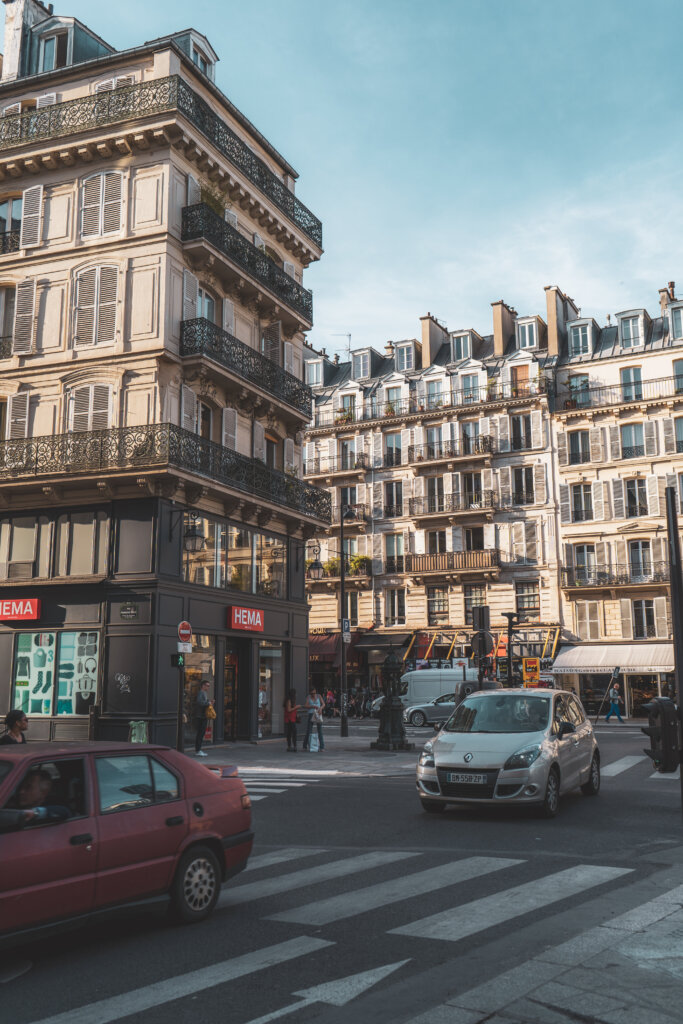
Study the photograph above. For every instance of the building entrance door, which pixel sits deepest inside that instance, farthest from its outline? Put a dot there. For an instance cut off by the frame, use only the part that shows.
(230, 690)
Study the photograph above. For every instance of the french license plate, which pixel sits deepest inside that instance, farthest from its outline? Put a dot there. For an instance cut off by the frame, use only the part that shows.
(466, 777)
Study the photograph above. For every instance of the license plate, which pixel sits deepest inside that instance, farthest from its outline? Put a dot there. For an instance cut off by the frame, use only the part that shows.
(467, 778)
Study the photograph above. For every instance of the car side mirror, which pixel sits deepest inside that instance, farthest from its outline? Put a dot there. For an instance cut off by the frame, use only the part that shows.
(565, 728)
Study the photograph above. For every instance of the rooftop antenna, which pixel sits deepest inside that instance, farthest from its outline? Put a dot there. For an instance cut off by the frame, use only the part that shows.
(348, 342)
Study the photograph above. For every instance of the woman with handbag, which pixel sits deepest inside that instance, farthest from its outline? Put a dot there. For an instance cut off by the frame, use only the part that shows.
(314, 707)
(201, 713)
(291, 714)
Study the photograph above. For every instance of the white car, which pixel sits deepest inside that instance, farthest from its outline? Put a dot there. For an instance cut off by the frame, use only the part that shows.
(511, 746)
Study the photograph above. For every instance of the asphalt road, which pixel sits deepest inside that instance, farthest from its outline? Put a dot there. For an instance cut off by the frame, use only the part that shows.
(376, 911)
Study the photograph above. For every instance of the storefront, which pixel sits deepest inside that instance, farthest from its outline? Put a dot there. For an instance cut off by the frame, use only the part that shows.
(325, 661)
(644, 672)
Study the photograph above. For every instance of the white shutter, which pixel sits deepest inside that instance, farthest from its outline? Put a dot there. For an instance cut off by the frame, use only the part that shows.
(190, 295)
(565, 507)
(31, 217)
(289, 454)
(487, 477)
(626, 620)
(106, 85)
(615, 443)
(91, 206)
(669, 436)
(230, 429)
(101, 407)
(377, 449)
(309, 456)
(46, 100)
(231, 218)
(653, 497)
(671, 482)
(189, 411)
(259, 242)
(112, 194)
(228, 316)
(259, 441)
(597, 494)
(562, 456)
(622, 555)
(124, 80)
(650, 430)
(505, 475)
(289, 268)
(288, 357)
(106, 305)
(595, 442)
(24, 316)
(659, 552)
(17, 415)
(377, 504)
(80, 408)
(539, 483)
(86, 302)
(602, 554)
(661, 617)
(618, 504)
(12, 108)
(530, 541)
(377, 553)
(504, 433)
(518, 541)
(194, 191)
(536, 430)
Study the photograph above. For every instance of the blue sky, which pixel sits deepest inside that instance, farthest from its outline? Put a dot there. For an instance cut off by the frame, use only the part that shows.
(458, 151)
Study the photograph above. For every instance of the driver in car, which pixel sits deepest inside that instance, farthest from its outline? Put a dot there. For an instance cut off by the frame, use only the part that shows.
(33, 799)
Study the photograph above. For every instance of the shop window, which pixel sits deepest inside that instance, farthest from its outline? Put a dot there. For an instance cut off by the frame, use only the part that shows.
(56, 673)
(271, 694)
(271, 565)
(200, 666)
(240, 564)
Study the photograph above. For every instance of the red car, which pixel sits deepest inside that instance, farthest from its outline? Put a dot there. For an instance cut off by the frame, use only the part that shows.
(88, 826)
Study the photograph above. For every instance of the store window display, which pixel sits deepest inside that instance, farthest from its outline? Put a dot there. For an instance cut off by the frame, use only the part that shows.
(56, 673)
(271, 693)
(200, 665)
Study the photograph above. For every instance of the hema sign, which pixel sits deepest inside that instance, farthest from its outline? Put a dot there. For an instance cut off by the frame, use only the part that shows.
(21, 608)
(246, 618)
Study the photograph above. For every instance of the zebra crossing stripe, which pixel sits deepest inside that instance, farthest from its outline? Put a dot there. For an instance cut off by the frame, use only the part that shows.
(471, 918)
(309, 876)
(267, 860)
(374, 896)
(622, 765)
(667, 775)
(263, 783)
(265, 792)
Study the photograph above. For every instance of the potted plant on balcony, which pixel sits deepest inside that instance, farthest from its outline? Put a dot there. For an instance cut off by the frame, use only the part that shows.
(360, 565)
(212, 198)
(332, 566)
(389, 409)
(344, 416)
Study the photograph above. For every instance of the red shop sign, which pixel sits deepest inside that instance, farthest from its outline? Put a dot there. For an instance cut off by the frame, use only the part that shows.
(22, 608)
(246, 618)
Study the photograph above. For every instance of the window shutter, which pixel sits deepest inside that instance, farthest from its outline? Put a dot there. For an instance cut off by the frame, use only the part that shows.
(565, 507)
(377, 553)
(405, 445)
(106, 306)
(46, 100)
(622, 556)
(17, 416)
(653, 497)
(518, 546)
(290, 269)
(289, 454)
(259, 441)
(659, 552)
(580, 618)
(661, 617)
(24, 316)
(105, 86)
(228, 316)
(12, 108)
(194, 191)
(614, 443)
(562, 456)
(230, 429)
(271, 342)
(619, 507)
(536, 430)
(112, 195)
(259, 242)
(539, 483)
(626, 619)
(504, 433)
(669, 436)
(595, 439)
(289, 357)
(31, 217)
(124, 80)
(650, 437)
(190, 295)
(671, 482)
(189, 413)
(91, 205)
(505, 486)
(377, 507)
(530, 541)
(487, 480)
(602, 554)
(448, 484)
(86, 300)
(231, 218)
(377, 449)
(597, 494)
(101, 406)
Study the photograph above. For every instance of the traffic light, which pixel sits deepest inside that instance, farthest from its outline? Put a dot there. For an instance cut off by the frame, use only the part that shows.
(481, 618)
(177, 661)
(663, 730)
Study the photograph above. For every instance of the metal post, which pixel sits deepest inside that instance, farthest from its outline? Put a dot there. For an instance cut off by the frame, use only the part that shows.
(510, 616)
(179, 739)
(676, 605)
(343, 719)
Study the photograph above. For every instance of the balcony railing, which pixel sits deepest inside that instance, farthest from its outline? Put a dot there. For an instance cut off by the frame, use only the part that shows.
(393, 511)
(450, 449)
(634, 510)
(200, 221)
(615, 575)
(344, 464)
(135, 101)
(523, 498)
(200, 337)
(451, 561)
(620, 394)
(155, 446)
(6, 346)
(394, 563)
(634, 451)
(392, 458)
(374, 410)
(581, 515)
(332, 571)
(359, 512)
(9, 242)
(445, 503)
(578, 458)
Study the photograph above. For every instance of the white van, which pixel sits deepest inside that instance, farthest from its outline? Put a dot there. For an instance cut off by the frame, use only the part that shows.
(423, 685)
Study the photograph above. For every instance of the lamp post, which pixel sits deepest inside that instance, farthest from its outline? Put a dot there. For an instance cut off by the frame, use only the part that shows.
(512, 618)
(392, 733)
(345, 512)
(193, 542)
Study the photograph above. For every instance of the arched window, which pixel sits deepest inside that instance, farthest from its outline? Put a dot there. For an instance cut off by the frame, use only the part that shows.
(101, 201)
(95, 306)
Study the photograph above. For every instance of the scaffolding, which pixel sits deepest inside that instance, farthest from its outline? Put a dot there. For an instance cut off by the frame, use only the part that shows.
(530, 640)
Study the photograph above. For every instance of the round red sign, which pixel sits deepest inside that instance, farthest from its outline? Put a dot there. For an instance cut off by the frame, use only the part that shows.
(184, 632)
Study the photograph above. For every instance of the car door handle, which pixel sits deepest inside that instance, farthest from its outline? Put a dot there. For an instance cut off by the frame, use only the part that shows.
(81, 840)
(175, 821)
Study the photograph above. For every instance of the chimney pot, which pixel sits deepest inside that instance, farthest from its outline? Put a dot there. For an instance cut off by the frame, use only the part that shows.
(672, 289)
(389, 349)
(336, 359)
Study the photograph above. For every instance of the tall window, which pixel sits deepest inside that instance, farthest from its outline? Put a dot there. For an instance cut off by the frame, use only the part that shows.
(631, 384)
(90, 407)
(7, 298)
(470, 437)
(582, 503)
(10, 214)
(435, 494)
(677, 322)
(434, 394)
(579, 447)
(433, 446)
(96, 295)
(404, 357)
(521, 432)
(475, 594)
(632, 443)
(528, 601)
(471, 487)
(392, 401)
(474, 538)
(437, 605)
(527, 335)
(347, 496)
(361, 365)
(578, 386)
(636, 498)
(101, 204)
(351, 606)
(523, 481)
(347, 454)
(679, 433)
(393, 498)
(206, 305)
(394, 452)
(394, 552)
(644, 620)
(53, 51)
(460, 347)
(639, 560)
(584, 562)
(630, 332)
(470, 387)
(314, 372)
(588, 620)
(578, 340)
(395, 607)
(436, 542)
(348, 405)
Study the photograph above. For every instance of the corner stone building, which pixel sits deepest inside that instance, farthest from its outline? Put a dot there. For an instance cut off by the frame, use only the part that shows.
(151, 394)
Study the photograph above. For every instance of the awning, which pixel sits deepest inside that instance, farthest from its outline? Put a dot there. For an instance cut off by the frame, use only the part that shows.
(368, 641)
(640, 658)
(324, 647)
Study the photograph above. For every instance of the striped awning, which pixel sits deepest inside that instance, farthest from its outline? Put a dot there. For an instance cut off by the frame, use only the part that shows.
(639, 658)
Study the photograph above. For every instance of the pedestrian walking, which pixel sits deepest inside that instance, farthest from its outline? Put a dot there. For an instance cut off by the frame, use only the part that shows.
(615, 700)
(314, 710)
(202, 704)
(16, 724)
(291, 711)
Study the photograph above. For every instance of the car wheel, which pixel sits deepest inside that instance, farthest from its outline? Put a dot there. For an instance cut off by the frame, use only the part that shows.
(197, 885)
(433, 806)
(592, 787)
(551, 800)
(418, 718)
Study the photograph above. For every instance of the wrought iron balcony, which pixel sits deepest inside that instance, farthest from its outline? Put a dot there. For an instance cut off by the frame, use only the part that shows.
(9, 242)
(582, 515)
(634, 451)
(451, 449)
(360, 513)
(353, 569)
(6, 346)
(522, 498)
(393, 511)
(453, 561)
(578, 458)
(200, 337)
(444, 504)
(635, 509)
(148, 98)
(620, 394)
(344, 464)
(394, 563)
(157, 446)
(615, 575)
(392, 457)
(200, 221)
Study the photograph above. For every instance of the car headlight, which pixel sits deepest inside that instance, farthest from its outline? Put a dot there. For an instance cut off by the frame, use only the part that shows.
(427, 758)
(524, 758)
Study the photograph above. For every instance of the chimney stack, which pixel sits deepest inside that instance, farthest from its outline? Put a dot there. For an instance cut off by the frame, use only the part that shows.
(672, 290)
(560, 309)
(433, 337)
(20, 16)
(503, 326)
(336, 359)
(389, 349)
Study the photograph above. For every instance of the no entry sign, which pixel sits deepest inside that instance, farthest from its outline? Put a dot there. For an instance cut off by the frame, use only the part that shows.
(184, 632)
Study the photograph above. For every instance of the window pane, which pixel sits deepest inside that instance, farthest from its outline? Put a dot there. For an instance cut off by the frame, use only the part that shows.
(49, 54)
(77, 671)
(34, 672)
(165, 782)
(240, 559)
(124, 782)
(82, 543)
(23, 544)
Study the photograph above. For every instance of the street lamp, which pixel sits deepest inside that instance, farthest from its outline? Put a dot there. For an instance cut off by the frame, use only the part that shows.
(316, 570)
(193, 537)
(345, 512)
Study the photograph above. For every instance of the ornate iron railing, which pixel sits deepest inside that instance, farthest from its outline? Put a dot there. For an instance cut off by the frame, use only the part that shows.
(445, 503)
(200, 221)
(344, 464)
(134, 101)
(154, 446)
(332, 570)
(9, 242)
(620, 394)
(522, 498)
(582, 515)
(451, 561)
(450, 449)
(394, 563)
(393, 511)
(634, 451)
(200, 337)
(615, 575)
(6, 346)
(360, 513)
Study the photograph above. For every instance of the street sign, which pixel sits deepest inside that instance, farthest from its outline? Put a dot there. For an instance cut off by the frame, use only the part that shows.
(184, 632)
(177, 661)
(482, 645)
(346, 625)
(184, 648)
(531, 668)
(346, 637)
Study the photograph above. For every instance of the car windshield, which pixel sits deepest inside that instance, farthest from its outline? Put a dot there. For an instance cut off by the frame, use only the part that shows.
(5, 767)
(503, 714)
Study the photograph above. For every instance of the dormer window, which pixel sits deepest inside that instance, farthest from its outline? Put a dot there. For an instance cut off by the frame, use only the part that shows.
(314, 373)
(361, 365)
(405, 358)
(526, 335)
(677, 322)
(201, 60)
(53, 51)
(630, 332)
(579, 344)
(460, 347)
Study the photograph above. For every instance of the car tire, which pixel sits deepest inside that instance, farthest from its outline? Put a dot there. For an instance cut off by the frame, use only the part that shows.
(551, 800)
(196, 885)
(433, 806)
(592, 787)
(418, 718)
